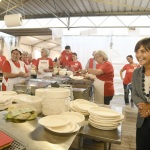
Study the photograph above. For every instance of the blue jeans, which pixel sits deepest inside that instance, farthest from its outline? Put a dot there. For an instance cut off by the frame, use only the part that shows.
(127, 90)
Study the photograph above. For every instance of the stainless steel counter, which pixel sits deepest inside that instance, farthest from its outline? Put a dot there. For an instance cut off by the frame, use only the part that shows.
(35, 136)
(107, 136)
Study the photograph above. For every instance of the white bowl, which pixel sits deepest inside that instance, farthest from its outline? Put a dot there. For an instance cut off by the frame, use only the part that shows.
(63, 69)
(62, 73)
(54, 72)
(69, 73)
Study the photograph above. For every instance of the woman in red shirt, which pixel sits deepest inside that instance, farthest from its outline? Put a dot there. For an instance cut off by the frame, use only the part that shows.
(44, 65)
(75, 66)
(104, 72)
(14, 70)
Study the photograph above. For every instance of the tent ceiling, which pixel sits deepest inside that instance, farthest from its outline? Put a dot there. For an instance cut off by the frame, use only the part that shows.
(73, 8)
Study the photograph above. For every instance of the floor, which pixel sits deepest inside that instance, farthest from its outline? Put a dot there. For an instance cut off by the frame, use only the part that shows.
(128, 129)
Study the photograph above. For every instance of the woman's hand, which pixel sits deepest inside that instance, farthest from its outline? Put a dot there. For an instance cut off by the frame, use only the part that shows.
(24, 75)
(38, 72)
(46, 70)
(144, 109)
(84, 71)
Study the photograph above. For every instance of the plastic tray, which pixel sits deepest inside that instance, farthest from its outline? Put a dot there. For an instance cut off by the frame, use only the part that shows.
(16, 145)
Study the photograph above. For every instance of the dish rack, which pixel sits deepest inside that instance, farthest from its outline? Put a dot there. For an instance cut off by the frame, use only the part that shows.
(15, 145)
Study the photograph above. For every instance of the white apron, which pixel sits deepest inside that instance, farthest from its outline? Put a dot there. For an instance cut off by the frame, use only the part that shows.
(11, 81)
(43, 64)
(98, 91)
(28, 68)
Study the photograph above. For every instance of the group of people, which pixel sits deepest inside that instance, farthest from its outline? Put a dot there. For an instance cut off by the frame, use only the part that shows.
(138, 75)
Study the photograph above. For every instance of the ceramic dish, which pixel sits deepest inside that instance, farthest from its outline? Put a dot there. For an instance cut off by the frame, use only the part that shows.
(97, 111)
(53, 121)
(76, 77)
(70, 128)
(103, 128)
(85, 106)
(75, 117)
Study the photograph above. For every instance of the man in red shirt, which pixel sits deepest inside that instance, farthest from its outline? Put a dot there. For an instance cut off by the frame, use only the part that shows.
(65, 57)
(2, 59)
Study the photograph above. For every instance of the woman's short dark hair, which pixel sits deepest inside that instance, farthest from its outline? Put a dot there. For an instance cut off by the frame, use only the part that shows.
(74, 54)
(143, 42)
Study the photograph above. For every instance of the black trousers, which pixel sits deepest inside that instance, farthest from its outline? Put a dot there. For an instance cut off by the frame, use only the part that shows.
(143, 136)
(107, 99)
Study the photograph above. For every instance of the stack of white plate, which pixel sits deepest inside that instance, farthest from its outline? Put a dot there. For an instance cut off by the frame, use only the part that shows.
(81, 105)
(105, 118)
(55, 100)
(59, 124)
(5, 101)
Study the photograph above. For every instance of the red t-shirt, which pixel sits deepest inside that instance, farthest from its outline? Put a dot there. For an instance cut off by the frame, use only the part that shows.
(108, 76)
(33, 61)
(2, 59)
(65, 58)
(50, 62)
(75, 66)
(7, 68)
(129, 71)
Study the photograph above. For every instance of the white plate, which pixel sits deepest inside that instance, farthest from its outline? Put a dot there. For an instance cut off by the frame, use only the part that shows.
(53, 121)
(103, 128)
(98, 111)
(75, 117)
(109, 123)
(76, 77)
(85, 106)
(107, 119)
(69, 128)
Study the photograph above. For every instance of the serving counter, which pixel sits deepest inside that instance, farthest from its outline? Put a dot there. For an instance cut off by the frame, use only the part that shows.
(36, 137)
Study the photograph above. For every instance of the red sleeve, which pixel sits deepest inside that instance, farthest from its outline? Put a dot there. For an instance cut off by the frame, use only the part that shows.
(37, 62)
(125, 67)
(80, 66)
(50, 62)
(6, 67)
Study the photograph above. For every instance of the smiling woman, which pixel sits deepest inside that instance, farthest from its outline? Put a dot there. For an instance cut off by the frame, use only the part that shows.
(141, 93)
(14, 70)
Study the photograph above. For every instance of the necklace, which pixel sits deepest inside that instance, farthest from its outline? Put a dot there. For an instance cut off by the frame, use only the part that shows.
(143, 84)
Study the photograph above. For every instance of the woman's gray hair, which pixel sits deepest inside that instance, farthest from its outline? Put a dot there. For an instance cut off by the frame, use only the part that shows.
(46, 50)
(101, 53)
(24, 53)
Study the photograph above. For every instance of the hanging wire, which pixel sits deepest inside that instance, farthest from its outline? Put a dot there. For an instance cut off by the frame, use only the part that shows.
(7, 7)
(22, 10)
